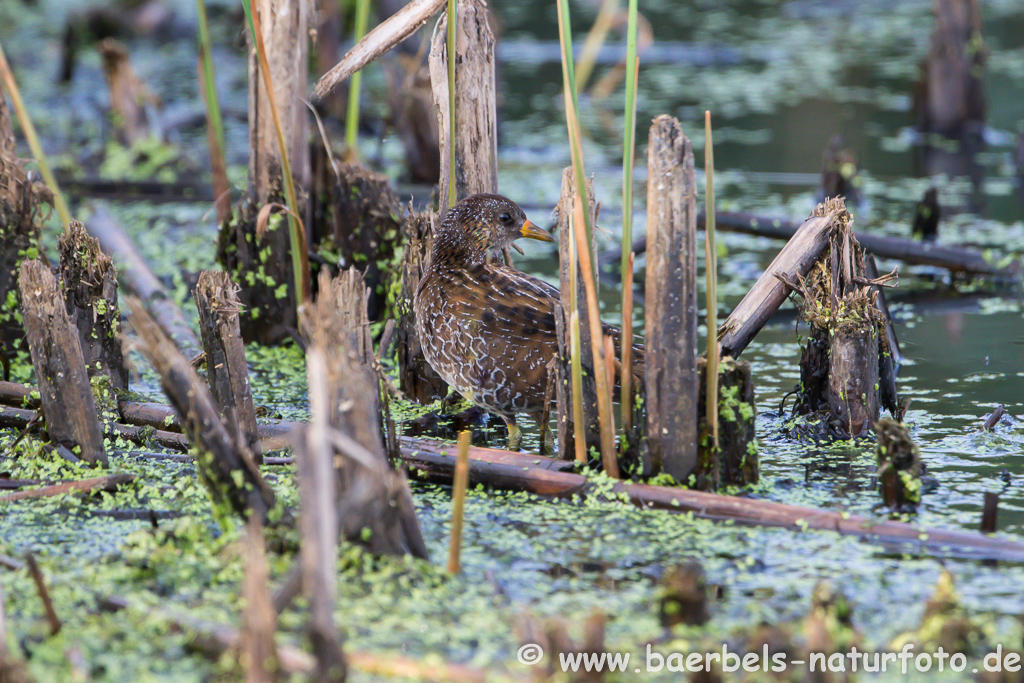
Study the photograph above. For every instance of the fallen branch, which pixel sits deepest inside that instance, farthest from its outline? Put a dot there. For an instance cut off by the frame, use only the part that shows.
(108, 483)
(953, 258)
(388, 33)
(136, 277)
(516, 472)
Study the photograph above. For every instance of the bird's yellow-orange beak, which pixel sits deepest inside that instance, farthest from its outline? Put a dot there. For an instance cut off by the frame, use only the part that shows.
(534, 233)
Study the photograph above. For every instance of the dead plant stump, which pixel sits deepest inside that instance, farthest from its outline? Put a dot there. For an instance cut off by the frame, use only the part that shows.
(735, 461)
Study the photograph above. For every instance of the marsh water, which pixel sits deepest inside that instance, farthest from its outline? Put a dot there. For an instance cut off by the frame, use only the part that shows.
(781, 79)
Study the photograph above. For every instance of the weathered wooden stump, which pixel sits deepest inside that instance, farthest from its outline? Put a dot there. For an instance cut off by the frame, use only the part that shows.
(418, 380)
(671, 309)
(574, 302)
(227, 374)
(64, 387)
(226, 464)
(953, 84)
(374, 506)
(840, 367)
(21, 205)
(357, 216)
(262, 263)
(476, 123)
(734, 462)
(90, 293)
(899, 466)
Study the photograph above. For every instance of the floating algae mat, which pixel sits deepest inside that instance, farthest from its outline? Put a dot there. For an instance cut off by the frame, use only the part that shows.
(782, 79)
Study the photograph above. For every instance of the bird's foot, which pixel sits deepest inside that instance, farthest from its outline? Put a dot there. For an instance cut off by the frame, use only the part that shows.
(515, 435)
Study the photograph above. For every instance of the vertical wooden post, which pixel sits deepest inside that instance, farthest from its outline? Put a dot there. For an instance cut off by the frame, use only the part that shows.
(954, 70)
(226, 370)
(476, 144)
(318, 522)
(575, 294)
(64, 388)
(90, 294)
(285, 25)
(671, 310)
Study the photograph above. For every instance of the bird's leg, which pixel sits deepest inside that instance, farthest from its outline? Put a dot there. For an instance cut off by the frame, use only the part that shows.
(515, 435)
(449, 402)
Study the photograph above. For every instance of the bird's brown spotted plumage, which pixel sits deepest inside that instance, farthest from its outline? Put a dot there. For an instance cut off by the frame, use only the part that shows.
(486, 328)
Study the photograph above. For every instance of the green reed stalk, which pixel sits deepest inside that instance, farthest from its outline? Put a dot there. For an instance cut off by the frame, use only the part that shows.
(711, 267)
(355, 83)
(214, 121)
(626, 267)
(452, 23)
(297, 244)
(7, 77)
(583, 241)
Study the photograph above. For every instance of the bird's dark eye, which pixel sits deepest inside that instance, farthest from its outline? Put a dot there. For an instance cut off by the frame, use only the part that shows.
(505, 218)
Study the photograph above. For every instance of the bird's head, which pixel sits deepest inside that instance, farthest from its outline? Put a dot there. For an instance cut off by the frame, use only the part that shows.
(482, 223)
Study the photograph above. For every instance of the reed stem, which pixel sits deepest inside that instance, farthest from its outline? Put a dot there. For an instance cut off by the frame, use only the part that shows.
(214, 121)
(355, 84)
(626, 267)
(459, 485)
(711, 266)
(583, 241)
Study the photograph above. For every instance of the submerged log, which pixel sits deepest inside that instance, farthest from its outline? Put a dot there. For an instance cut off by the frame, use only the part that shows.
(109, 484)
(671, 312)
(226, 371)
(735, 461)
(138, 279)
(418, 380)
(227, 466)
(435, 461)
(64, 388)
(90, 293)
(476, 121)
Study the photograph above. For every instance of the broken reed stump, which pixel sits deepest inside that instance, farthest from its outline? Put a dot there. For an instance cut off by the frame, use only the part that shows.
(226, 464)
(374, 506)
(418, 380)
(574, 300)
(130, 99)
(684, 595)
(840, 366)
(64, 388)
(258, 257)
(260, 261)
(318, 523)
(21, 215)
(476, 127)
(357, 217)
(899, 466)
(90, 293)
(12, 668)
(670, 316)
(735, 461)
(952, 86)
(136, 277)
(227, 374)
(257, 652)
